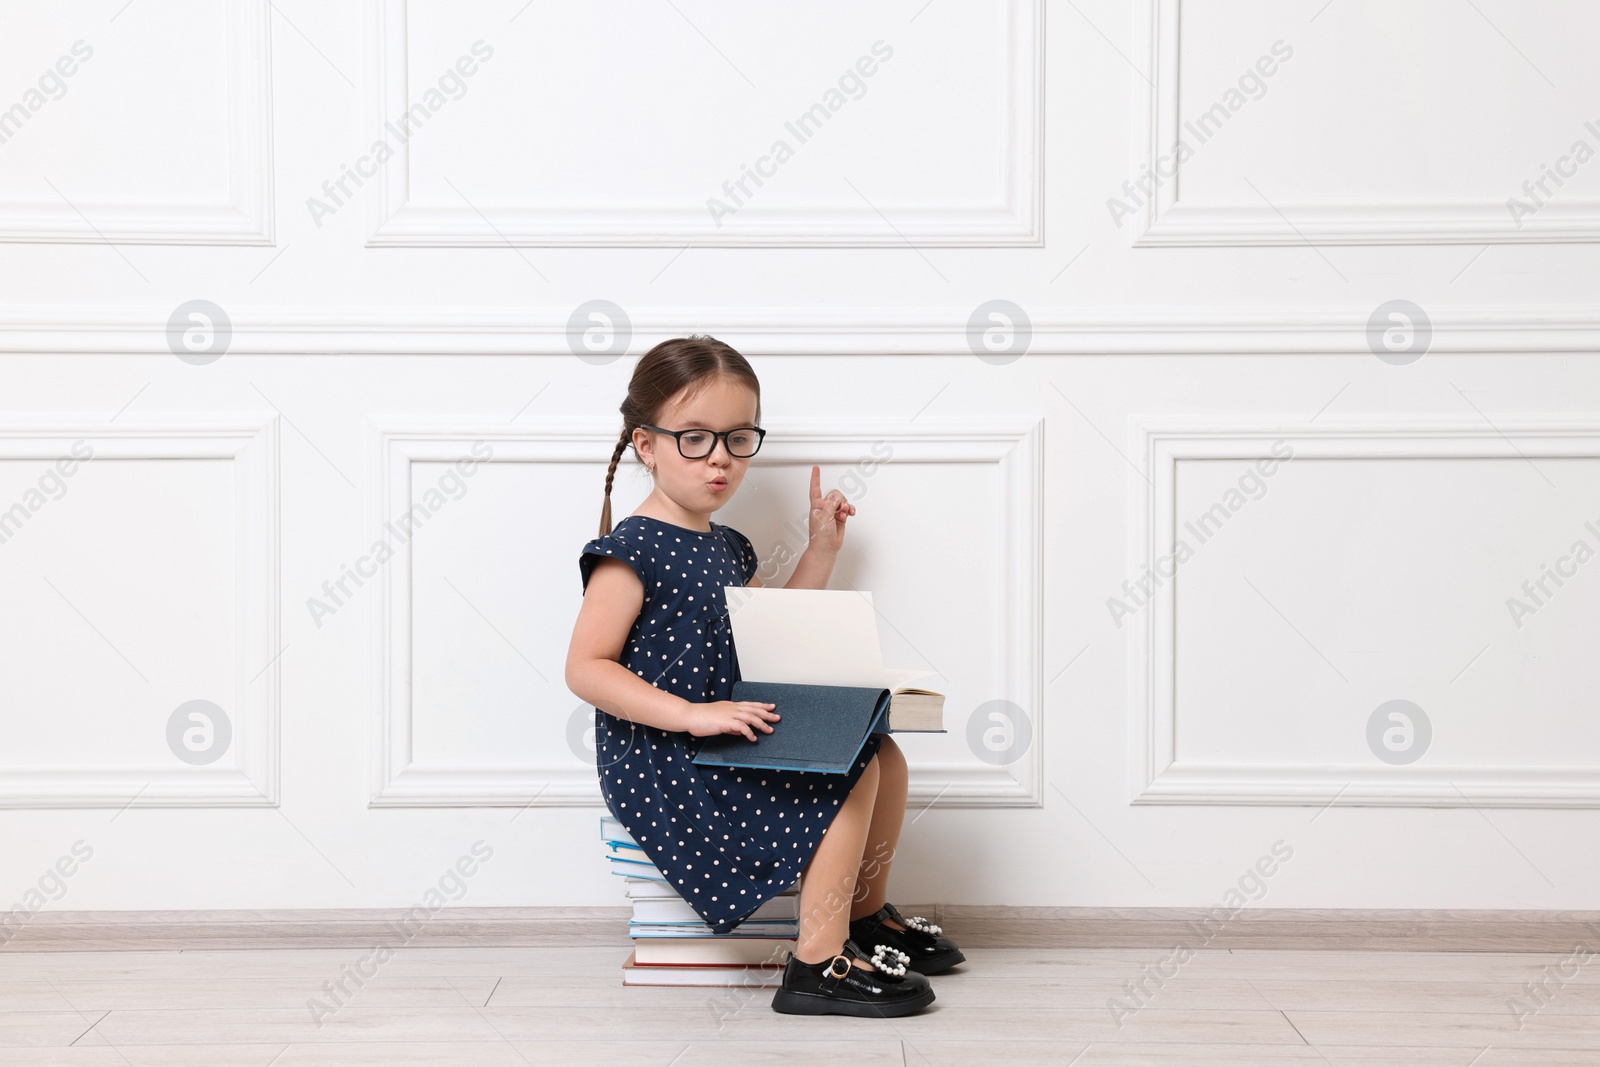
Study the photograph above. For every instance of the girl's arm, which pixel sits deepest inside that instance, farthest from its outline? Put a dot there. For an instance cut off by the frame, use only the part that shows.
(826, 524)
(610, 605)
(811, 571)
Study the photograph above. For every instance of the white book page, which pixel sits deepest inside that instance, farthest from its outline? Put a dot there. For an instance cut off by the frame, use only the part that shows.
(806, 636)
(909, 677)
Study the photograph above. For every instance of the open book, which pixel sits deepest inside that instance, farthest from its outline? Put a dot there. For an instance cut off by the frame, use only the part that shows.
(815, 654)
(826, 637)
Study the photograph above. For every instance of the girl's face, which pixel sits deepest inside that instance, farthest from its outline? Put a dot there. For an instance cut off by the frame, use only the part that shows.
(698, 487)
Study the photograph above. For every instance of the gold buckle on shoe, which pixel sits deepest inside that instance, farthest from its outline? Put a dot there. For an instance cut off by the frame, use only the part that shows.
(836, 959)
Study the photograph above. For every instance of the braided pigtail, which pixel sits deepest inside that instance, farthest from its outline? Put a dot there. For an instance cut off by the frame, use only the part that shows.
(611, 473)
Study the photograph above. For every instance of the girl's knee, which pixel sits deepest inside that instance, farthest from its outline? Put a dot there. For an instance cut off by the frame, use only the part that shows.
(891, 763)
(868, 782)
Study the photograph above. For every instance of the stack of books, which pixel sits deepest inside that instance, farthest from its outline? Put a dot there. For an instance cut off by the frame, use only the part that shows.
(672, 945)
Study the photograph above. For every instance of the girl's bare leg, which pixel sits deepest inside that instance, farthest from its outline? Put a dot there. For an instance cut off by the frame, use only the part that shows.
(828, 880)
(883, 833)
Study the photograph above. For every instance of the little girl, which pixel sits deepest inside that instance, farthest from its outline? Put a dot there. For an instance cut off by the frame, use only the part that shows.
(652, 651)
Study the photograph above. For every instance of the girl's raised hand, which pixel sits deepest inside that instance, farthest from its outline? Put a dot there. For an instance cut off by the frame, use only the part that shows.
(827, 515)
(730, 717)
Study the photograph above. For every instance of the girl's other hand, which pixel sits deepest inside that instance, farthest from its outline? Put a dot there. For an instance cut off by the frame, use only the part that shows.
(827, 515)
(731, 717)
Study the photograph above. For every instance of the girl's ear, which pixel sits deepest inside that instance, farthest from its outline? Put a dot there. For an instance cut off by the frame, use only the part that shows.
(641, 445)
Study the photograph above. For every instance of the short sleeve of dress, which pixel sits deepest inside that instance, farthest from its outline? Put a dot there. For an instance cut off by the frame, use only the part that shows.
(617, 546)
(746, 553)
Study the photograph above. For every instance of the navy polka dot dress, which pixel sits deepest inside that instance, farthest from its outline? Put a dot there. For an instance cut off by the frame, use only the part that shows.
(727, 839)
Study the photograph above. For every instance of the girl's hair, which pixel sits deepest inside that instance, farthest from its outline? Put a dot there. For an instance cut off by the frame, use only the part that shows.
(682, 363)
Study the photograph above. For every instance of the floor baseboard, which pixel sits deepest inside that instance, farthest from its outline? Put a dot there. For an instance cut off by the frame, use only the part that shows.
(973, 925)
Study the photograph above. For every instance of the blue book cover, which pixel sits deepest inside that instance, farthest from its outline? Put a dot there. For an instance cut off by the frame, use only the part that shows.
(823, 728)
(611, 831)
(630, 857)
(615, 850)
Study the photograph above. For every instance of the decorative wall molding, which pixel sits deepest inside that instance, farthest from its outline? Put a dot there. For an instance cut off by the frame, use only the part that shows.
(1167, 221)
(245, 218)
(1013, 218)
(1057, 330)
(251, 445)
(1157, 776)
(1014, 447)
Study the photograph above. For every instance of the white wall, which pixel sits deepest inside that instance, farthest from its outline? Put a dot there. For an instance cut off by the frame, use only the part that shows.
(377, 335)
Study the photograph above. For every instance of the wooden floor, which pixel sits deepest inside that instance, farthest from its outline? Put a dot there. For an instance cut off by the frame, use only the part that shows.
(508, 1007)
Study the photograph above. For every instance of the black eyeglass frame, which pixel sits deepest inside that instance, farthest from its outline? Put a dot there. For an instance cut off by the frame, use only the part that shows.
(761, 436)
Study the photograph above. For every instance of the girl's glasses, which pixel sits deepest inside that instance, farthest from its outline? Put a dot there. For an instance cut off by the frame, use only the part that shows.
(743, 442)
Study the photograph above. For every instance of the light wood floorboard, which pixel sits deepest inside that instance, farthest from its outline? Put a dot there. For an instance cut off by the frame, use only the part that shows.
(508, 1007)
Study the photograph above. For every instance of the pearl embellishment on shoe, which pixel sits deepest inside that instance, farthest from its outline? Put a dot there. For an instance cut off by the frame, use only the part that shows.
(890, 960)
(917, 922)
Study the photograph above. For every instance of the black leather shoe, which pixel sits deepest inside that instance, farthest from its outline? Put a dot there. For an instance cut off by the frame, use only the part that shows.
(838, 987)
(929, 952)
